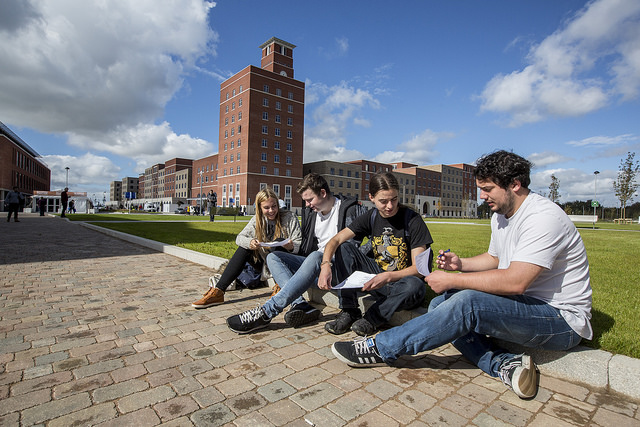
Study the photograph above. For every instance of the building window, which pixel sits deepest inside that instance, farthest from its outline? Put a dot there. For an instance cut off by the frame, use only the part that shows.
(226, 133)
(225, 149)
(264, 143)
(290, 95)
(233, 132)
(290, 108)
(238, 157)
(289, 147)
(288, 172)
(277, 131)
(265, 102)
(278, 92)
(278, 105)
(263, 171)
(289, 160)
(290, 121)
(276, 145)
(232, 144)
(226, 121)
(278, 118)
(263, 157)
(289, 134)
(239, 142)
(265, 129)
(276, 158)
(239, 115)
(276, 188)
(239, 102)
(265, 115)
(233, 119)
(276, 172)
(233, 105)
(225, 160)
(238, 169)
(265, 88)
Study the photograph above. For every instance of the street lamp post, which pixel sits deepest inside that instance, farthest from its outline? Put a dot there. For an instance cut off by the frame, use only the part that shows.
(201, 172)
(67, 181)
(595, 195)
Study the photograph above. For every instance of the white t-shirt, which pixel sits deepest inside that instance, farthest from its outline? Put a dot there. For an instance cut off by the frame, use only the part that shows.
(327, 225)
(541, 233)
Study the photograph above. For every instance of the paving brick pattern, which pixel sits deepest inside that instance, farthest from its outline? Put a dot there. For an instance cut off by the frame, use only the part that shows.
(96, 331)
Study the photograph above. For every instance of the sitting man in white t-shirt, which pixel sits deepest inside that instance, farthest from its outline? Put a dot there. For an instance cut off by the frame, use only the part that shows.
(531, 288)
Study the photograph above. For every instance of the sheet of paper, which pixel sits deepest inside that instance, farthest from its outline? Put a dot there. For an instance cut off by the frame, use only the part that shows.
(274, 244)
(422, 262)
(355, 281)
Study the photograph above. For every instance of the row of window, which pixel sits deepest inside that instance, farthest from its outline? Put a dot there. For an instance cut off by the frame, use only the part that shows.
(276, 158)
(278, 105)
(277, 118)
(276, 171)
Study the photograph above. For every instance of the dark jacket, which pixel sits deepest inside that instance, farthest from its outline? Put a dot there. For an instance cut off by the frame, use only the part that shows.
(350, 209)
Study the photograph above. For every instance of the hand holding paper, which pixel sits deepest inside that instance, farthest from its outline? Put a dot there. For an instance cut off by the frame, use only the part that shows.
(355, 281)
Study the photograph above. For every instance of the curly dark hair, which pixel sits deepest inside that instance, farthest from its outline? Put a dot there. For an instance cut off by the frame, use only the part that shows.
(503, 167)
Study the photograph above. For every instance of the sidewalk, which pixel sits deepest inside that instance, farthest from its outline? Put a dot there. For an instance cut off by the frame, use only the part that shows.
(95, 330)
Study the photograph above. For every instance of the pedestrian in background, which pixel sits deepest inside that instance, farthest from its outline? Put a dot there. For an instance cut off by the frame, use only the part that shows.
(14, 199)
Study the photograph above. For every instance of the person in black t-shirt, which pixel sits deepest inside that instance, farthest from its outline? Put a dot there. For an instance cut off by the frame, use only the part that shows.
(397, 235)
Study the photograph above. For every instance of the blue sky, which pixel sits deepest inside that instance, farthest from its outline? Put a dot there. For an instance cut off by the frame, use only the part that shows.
(109, 88)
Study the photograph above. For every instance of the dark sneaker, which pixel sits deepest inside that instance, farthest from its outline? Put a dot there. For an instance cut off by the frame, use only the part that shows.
(301, 314)
(363, 327)
(520, 375)
(343, 322)
(359, 353)
(248, 321)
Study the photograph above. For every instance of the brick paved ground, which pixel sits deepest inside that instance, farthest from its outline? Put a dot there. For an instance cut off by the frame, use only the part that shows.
(96, 331)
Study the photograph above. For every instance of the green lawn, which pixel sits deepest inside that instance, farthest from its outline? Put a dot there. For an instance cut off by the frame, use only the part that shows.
(613, 251)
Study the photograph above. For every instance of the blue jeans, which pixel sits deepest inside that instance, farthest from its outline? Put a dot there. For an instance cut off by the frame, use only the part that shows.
(465, 318)
(294, 274)
(405, 294)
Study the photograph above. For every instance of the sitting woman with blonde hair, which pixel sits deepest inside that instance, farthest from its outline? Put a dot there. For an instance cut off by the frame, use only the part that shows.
(270, 223)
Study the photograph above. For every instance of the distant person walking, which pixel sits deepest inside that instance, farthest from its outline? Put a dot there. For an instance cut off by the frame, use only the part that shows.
(14, 199)
(212, 201)
(42, 205)
(72, 206)
(64, 199)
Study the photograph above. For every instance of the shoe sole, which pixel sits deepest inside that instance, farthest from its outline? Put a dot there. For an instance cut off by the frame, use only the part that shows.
(525, 381)
(343, 359)
(247, 331)
(297, 318)
(206, 305)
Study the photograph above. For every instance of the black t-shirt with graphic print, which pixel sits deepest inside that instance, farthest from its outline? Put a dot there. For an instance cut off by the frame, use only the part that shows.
(390, 249)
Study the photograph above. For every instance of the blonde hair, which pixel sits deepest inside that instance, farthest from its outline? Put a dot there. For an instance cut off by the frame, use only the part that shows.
(261, 222)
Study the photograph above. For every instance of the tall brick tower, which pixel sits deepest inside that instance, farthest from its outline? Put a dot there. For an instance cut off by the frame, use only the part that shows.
(261, 130)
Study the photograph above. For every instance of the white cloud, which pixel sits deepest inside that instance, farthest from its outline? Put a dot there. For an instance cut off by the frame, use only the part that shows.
(575, 185)
(604, 140)
(327, 125)
(561, 76)
(547, 158)
(88, 172)
(101, 73)
(420, 148)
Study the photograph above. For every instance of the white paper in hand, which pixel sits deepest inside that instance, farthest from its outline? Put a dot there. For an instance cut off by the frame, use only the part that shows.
(422, 262)
(355, 281)
(274, 244)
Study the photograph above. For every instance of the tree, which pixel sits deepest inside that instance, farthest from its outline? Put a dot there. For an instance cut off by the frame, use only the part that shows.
(625, 185)
(554, 193)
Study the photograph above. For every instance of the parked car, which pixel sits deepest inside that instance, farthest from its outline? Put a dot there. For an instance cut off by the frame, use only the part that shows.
(181, 211)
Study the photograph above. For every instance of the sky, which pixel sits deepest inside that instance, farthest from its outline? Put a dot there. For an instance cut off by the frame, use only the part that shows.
(108, 88)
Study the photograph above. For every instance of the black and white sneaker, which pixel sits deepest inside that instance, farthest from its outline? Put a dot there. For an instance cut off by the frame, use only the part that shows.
(359, 353)
(520, 375)
(249, 321)
(301, 314)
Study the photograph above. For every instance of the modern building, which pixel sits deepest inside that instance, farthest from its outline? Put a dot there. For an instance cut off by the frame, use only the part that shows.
(343, 178)
(115, 193)
(204, 177)
(261, 130)
(21, 166)
(369, 168)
